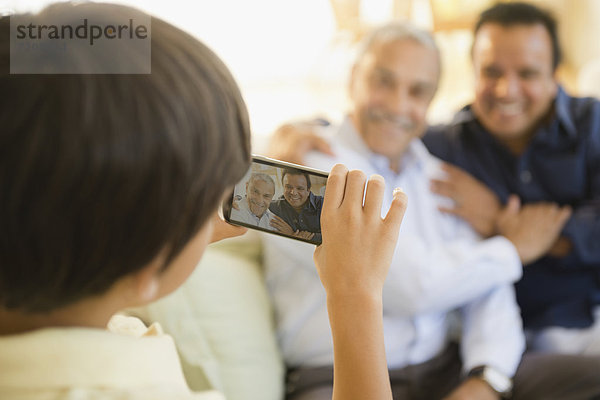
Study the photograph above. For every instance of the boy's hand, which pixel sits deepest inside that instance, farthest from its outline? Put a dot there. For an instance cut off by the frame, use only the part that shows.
(223, 230)
(357, 243)
(352, 262)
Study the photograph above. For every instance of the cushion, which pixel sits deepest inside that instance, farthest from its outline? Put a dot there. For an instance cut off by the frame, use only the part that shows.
(222, 323)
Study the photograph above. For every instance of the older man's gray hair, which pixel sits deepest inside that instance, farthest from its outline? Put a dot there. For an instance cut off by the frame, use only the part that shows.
(392, 32)
(259, 176)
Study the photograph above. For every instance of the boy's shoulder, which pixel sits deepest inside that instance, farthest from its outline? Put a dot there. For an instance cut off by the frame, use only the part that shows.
(157, 393)
(127, 361)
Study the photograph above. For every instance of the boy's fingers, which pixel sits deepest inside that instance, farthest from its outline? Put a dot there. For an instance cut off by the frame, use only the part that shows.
(355, 189)
(223, 230)
(374, 194)
(397, 209)
(336, 185)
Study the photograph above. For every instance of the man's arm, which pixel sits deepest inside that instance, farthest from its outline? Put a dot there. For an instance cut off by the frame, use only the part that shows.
(480, 207)
(582, 232)
(352, 263)
(460, 267)
(492, 336)
(583, 228)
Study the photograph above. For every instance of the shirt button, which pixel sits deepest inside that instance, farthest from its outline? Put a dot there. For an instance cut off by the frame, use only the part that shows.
(525, 176)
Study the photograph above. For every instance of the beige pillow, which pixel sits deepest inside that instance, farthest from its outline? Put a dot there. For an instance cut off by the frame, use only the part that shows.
(221, 321)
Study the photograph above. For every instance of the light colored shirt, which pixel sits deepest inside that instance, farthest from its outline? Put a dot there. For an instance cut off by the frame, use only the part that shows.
(439, 265)
(245, 215)
(94, 364)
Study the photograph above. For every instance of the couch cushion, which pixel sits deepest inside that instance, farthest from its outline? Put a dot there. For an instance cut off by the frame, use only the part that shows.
(221, 320)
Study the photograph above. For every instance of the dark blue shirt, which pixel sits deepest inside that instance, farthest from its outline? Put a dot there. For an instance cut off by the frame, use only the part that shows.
(308, 219)
(561, 164)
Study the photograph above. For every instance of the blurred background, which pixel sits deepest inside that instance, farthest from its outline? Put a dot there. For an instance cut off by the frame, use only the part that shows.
(291, 58)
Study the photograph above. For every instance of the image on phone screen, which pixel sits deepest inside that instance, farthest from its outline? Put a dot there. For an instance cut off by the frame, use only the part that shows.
(280, 198)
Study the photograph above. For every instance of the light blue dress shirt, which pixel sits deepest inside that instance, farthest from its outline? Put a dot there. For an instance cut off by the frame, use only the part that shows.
(245, 215)
(440, 265)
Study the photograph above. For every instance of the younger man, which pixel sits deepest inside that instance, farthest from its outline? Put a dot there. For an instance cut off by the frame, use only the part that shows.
(298, 210)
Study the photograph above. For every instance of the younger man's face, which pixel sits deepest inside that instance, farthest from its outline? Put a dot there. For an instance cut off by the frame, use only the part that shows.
(295, 190)
(259, 194)
(514, 79)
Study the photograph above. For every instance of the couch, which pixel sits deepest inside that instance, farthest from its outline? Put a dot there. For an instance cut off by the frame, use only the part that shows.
(222, 322)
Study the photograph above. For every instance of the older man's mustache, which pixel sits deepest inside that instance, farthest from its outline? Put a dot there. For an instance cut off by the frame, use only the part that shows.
(261, 205)
(400, 121)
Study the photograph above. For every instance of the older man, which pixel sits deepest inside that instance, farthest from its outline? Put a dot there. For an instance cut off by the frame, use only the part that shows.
(440, 263)
(525, 135)
(254, 209)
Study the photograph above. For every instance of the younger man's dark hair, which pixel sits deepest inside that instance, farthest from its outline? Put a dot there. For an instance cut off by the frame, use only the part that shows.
(293, 171)
(99, 174)
(521, 13)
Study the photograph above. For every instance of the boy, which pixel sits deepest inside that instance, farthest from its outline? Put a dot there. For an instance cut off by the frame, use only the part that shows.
(106, 202)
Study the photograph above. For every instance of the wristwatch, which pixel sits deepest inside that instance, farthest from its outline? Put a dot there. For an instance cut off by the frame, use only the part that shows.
(498, 381)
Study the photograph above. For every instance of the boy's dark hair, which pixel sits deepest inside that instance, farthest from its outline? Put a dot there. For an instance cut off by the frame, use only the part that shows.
(99, 174)
(294, 171)
(520, 13)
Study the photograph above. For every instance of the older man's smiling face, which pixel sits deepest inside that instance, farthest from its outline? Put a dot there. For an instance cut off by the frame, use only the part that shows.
(391, 88)
(259, 194)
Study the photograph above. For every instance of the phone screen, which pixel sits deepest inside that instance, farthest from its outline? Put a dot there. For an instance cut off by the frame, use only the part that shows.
(280, 198)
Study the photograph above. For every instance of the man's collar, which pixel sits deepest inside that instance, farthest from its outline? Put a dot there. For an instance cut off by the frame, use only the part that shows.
(312, 200)
(562, 110)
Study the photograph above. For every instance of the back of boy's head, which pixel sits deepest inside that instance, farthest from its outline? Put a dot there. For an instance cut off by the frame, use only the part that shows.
(101, 173)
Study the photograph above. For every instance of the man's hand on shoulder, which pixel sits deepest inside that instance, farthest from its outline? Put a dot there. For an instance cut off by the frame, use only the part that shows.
(281, 226)
(292, 142)
(533, 228)
(473, 201)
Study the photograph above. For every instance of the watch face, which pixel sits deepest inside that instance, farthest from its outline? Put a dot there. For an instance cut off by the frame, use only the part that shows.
(497, 380)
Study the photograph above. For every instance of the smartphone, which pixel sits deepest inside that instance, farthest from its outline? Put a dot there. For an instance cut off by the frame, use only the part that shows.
(281, 198)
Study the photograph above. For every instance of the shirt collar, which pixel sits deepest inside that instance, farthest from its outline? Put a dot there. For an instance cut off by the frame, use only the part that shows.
(312, 200)
(415, 155)
(563, 114)
(85, 357)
